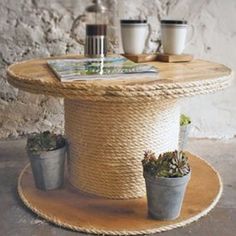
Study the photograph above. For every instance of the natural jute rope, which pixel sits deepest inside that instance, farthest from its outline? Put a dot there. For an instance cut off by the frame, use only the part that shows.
(121, 93)
(173, 81)
(54, 219)
(108, 140)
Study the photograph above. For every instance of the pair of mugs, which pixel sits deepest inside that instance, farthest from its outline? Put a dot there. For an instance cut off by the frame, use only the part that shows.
(136, 34)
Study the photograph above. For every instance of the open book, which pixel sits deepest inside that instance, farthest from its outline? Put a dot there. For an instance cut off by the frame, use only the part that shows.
(68, 70)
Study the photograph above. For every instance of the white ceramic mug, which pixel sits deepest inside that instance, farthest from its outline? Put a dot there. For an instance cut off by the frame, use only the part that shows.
(173, 35)
(135, 35)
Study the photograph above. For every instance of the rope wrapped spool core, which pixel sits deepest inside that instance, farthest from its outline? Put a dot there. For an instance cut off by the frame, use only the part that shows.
(108, 139)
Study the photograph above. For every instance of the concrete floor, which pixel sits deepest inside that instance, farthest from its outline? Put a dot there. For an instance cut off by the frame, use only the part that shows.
(15, 219)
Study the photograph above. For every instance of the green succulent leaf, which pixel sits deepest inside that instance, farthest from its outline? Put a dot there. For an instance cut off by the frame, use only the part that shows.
(45, 141)
(184, 120)
(168, 164)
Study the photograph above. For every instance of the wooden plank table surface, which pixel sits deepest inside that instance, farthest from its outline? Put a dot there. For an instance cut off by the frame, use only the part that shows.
(178, 79)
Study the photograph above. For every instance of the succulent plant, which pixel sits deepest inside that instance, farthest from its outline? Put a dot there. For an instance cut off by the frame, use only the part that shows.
(169, 164)
(42, 142)
(184, 120)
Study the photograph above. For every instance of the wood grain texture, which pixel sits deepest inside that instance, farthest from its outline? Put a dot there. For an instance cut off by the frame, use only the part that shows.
(174, 80)
(141, 57)
(79, 211)
(174, 58)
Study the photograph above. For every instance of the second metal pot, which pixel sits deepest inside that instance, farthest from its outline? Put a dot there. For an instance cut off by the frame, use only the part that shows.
(48, 168)
(183, 136)
(165, 196)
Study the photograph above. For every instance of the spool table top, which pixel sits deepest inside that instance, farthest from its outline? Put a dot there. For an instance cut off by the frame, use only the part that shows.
(174, 80)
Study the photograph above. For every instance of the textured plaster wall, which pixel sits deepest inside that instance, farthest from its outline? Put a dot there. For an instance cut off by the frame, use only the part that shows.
(36, 28)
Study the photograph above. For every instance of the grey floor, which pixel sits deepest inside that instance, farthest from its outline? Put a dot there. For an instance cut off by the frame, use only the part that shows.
(15, 219)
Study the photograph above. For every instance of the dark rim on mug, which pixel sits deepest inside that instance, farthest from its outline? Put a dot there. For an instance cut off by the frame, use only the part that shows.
(174, 22)
(133, 21)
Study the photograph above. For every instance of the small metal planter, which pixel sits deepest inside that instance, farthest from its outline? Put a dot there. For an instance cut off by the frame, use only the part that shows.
(48, 168)
(165, 196)
(183, 136)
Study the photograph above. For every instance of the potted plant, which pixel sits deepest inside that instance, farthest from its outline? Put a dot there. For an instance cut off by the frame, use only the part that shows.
(185, 125)
(166, 178)
(47, 152)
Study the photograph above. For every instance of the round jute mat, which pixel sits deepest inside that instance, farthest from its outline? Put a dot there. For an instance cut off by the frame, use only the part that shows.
(79, 211)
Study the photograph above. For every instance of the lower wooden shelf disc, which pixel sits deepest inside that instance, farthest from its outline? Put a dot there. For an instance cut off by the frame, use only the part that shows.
(79, 211)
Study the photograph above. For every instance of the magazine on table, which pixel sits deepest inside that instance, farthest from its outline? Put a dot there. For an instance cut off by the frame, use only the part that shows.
(109, 68)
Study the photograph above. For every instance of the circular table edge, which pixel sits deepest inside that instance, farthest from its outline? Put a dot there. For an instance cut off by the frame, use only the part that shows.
(158, 89)
(122, 232)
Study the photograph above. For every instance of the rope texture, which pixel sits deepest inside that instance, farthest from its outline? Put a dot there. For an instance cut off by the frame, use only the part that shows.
(107, 142)
(92, 230)
(103, 92)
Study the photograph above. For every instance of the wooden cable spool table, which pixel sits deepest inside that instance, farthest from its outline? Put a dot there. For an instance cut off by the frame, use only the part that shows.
(109, 124)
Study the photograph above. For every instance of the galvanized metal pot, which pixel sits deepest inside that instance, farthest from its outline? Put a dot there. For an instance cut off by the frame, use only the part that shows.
(165, 196)
(48, 168)
(183, 136)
